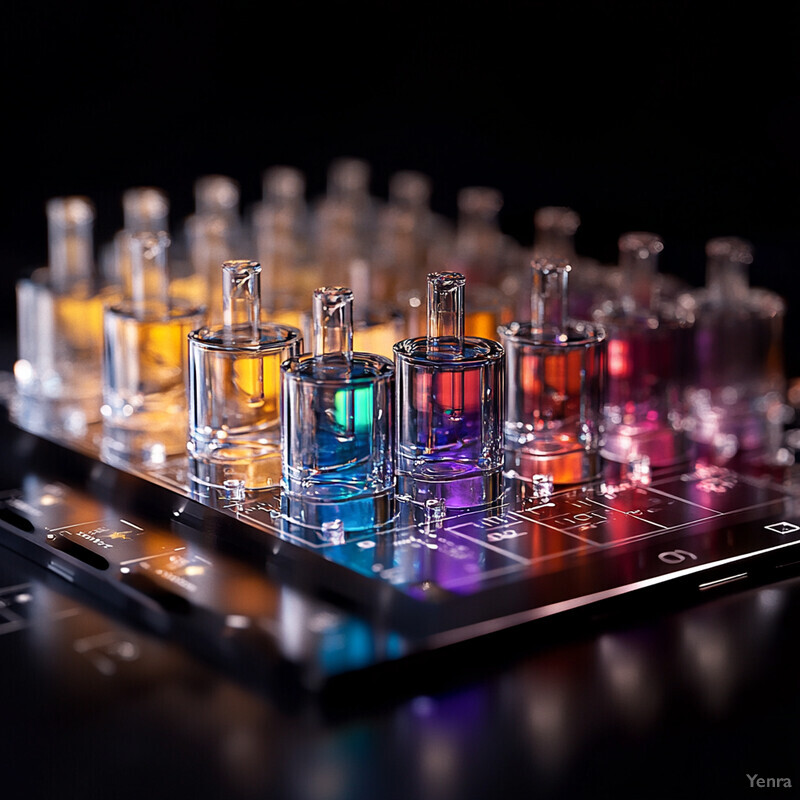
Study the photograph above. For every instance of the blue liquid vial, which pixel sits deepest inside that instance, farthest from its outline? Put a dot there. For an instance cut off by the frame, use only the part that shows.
(234, 386)
(449, 406)
(337, 436)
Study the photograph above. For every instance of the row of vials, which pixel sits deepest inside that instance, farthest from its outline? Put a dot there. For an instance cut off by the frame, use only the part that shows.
(649, 377)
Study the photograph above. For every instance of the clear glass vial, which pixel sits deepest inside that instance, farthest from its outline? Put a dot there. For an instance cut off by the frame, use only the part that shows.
(449, 406)
(555, 384)
(738, 349)
(337, 425)
(58, 373)
(280, 231)
(234, 378)
(649, 357)
(145, 362)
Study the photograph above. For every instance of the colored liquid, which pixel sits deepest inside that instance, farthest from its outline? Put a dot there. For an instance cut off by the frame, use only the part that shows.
(554, 411)
(449, 419)
(647, 373)
(337, 437)
(144, 388)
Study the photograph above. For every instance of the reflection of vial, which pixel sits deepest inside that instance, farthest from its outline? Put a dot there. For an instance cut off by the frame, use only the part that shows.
(738, 353)
(555, 377)
(60, 328)
(234, 375)
(649, 352)
(449, 406)
(336, 425)
(144, 365)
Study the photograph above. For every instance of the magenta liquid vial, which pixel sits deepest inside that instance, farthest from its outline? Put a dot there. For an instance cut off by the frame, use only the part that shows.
(649, 355)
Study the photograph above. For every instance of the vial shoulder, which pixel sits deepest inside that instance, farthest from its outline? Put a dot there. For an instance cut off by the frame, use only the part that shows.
(473, 350)
(333, 368)
(574, 333)
(271, 335)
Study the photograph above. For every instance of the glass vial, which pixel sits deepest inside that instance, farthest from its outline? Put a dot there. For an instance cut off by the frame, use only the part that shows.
(234, 380)
(280, 230)
(555, 229)
(555, 375)
(58, 373)
(738, 372)
(649, 356)
(449, 406)
(145, 358)
(337, 425)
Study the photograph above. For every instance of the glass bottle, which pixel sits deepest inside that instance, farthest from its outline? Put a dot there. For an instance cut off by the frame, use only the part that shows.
(483, 254)
(739, 372)
(60, 328)
(212, 234)
(649, 356)
(234, 382)
(337, 426)
(449, 406)
(343, 220)
(280, 226)
(145, 360)
(555, 228)
(145, 209)
(403, 234)
(555, 384)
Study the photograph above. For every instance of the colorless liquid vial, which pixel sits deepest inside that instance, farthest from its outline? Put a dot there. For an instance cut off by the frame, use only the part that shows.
(449, 406)
(555, 386)
(234, 383)
(145, 362)
(58, 373)
(738, 374)
(337, 426)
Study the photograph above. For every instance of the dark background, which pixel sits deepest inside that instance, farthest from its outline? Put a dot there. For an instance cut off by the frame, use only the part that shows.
(682, 118)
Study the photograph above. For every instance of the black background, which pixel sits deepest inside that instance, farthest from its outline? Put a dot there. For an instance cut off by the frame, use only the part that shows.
(681, 118)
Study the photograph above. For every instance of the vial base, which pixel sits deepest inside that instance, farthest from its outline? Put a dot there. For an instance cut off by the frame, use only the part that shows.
(661, 445)
(563, 464)
(148, 440)
(464, 493)
(226, 448)
(59, 419)
(222, 479)
(348, 514)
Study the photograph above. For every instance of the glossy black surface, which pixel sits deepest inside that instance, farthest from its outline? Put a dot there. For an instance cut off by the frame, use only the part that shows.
(669, 695)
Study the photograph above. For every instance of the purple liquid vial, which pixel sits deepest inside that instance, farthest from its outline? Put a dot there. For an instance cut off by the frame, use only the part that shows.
(450, 402)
